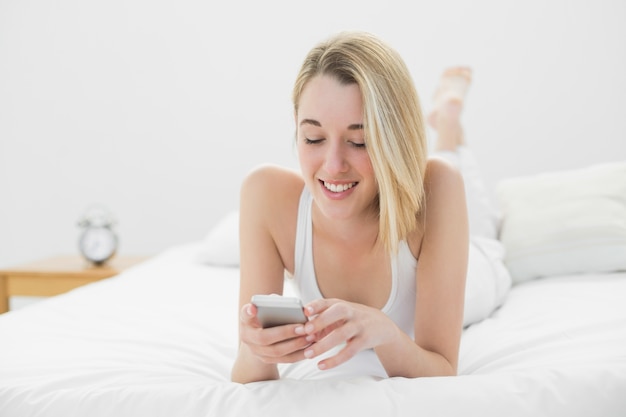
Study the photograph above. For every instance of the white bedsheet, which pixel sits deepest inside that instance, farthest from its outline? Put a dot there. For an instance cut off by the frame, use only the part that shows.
(159, 340)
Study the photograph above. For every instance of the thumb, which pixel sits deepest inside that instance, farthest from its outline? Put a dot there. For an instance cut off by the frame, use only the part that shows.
(248, 311)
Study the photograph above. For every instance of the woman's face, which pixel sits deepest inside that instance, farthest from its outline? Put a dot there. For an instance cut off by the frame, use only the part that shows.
(331, 148)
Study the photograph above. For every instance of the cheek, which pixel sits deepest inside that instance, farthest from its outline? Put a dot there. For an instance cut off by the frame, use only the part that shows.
(366, 170)
(300, 151)
(365, 165)
(306, 158)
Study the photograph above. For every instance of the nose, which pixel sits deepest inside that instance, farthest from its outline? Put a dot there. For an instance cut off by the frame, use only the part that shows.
(335, 159)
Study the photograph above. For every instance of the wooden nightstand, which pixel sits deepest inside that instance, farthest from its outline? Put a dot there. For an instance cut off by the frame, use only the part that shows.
(57, 275)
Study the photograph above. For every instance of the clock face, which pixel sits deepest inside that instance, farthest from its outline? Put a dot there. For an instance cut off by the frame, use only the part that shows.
(98, 244)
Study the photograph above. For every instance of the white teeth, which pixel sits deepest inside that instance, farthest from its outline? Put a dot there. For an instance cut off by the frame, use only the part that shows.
(338, 188)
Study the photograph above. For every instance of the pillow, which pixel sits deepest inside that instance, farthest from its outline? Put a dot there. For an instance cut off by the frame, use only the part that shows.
(221, 246)
(568, 222)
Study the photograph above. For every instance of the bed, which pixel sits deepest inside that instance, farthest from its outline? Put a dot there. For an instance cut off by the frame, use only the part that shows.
(159, 339)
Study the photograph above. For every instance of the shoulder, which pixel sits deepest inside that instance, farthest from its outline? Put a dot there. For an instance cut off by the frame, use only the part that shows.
(444, 194)
(269, 201)
(445, 210)
(441, 176)
(271, 186)
(268, 174)
(444, 202)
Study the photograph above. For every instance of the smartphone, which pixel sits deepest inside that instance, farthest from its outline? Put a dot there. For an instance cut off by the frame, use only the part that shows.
(275, 310)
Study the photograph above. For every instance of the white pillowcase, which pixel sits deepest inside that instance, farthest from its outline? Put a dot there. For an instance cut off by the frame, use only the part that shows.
(221, 245)
(567, 222)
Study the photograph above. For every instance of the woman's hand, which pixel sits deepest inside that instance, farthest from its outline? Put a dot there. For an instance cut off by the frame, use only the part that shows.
(280, 344)
(334, 322)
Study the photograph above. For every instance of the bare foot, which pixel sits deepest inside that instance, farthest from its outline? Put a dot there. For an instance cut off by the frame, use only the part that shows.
(449, 99)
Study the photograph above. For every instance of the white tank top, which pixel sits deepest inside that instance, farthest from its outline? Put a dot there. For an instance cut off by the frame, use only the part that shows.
(400, 306)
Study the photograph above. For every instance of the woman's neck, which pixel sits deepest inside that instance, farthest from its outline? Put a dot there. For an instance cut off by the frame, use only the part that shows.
(356, 231)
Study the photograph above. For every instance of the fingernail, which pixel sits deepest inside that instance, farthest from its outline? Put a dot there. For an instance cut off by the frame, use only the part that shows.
(310, 338)
(308, 353)
(309, 309)
(300, 330)
(249, 310)
(321, 366)
(308, 328)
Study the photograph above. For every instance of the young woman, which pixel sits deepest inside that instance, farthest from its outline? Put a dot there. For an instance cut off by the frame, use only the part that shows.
(372, 233)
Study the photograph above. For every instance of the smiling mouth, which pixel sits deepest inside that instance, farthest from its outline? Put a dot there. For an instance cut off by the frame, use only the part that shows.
(338, 188)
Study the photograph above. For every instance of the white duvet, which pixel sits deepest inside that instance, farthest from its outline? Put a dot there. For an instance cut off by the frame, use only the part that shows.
(159, 340)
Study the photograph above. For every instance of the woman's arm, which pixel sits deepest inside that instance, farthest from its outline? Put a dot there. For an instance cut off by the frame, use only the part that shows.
(441, 273)
(267, 199)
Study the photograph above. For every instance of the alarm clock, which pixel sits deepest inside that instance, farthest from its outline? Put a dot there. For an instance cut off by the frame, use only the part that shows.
(98, 241)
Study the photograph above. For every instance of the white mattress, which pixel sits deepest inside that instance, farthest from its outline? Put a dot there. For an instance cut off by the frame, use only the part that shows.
(159, 340)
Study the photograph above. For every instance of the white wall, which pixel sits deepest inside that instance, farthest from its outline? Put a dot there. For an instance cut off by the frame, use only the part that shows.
(159, 108)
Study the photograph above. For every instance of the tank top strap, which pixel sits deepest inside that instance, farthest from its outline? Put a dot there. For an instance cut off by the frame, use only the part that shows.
(304, 269)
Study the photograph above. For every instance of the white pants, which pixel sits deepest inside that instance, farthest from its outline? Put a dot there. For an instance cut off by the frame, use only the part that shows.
(488, 280)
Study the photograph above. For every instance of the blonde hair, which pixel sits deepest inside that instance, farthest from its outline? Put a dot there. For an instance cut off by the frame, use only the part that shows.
(392, 121)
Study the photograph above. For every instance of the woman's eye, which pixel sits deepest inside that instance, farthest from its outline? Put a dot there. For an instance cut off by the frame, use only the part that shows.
(358, 144)
(312, 141)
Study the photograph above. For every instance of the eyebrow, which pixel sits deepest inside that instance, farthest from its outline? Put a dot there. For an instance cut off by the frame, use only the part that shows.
(354, 126)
